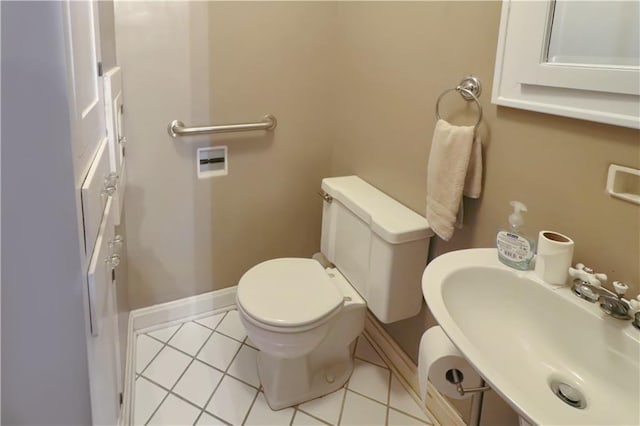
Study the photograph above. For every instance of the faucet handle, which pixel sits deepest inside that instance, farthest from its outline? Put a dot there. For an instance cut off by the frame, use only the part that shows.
(635, 303)
(601, 277)
(586, 274)
(620, 288)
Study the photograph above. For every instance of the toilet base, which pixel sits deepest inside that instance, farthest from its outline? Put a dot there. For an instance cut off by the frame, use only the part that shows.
(288, 382)
(299, 365)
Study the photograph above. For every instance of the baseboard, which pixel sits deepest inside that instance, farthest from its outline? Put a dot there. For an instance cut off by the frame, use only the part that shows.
(159, 316)
(445, 413)
(181, 309)
(436, 405)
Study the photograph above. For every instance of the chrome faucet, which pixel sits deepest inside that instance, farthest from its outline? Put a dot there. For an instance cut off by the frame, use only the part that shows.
(586, 283)
(588, 286)
(614, 304)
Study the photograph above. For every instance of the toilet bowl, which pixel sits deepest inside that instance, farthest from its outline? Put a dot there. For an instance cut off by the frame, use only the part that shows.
(304, 319)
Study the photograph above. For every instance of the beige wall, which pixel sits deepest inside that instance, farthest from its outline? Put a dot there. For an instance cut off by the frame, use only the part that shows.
(273, 58)
(162, 49)
(222, 62)
(353, 86)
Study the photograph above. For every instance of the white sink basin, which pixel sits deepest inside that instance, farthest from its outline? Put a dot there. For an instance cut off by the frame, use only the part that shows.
(521, 335)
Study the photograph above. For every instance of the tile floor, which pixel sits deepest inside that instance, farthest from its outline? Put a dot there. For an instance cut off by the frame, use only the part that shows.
(203, 372)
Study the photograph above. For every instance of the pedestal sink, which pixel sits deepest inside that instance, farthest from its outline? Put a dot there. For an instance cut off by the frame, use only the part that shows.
(557, 359)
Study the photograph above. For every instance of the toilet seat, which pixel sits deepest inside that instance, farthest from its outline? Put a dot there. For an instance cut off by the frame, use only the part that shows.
(290, 294)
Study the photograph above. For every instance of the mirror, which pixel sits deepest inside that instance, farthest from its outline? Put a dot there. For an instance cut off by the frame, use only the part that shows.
(595, 32)
(573, 58)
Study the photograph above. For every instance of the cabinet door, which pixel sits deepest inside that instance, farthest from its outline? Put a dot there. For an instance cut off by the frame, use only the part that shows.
(120, 150)
(120, 126)
(95, 189)
(118, 196)
(113, 111)
(112, 104)
(103, 344)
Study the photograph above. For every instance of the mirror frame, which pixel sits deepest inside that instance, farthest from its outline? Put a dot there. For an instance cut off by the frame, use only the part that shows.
(523, 79)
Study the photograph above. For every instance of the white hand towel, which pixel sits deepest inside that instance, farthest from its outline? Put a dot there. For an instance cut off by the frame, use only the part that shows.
(454, 169)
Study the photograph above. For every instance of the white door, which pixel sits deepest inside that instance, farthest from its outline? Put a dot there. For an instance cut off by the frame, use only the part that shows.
(87, 93)
(89, 131)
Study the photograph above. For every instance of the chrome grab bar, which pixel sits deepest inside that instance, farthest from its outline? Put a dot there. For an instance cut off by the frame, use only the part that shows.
(177, 128)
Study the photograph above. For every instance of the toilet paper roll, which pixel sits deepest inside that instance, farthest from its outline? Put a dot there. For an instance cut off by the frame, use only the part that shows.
(439, 355)
(555, 253)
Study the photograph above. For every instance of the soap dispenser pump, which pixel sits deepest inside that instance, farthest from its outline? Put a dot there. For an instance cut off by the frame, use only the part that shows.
(515, 248)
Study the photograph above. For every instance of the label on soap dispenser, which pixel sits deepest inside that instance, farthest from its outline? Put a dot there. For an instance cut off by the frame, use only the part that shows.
(513, 246)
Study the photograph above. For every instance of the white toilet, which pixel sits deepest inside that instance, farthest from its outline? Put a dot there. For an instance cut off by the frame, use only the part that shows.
(304, 318)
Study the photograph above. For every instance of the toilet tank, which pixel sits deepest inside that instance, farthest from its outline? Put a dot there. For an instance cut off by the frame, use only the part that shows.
(378, 244)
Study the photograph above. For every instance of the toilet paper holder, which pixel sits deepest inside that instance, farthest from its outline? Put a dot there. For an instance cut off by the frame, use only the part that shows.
(456, 377)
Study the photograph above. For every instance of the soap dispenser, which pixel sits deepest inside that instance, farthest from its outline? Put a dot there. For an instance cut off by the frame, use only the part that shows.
(515, 248)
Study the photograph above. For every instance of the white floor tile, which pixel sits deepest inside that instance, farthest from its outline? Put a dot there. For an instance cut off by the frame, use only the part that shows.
(167, 367)
(165, 334)
(244, 366)
(190, 338)
(359, 410)
(232, 400)
(302, 419)
(370, 380)
(262, 414)
(232, 327)
(397, 418)
(198, 383)
(365, 351)
(147, 399)
(174, 411)
(211, 322)
(208, 420)
(146, 349)
(219, 351)
(400, 399)
(327, 407)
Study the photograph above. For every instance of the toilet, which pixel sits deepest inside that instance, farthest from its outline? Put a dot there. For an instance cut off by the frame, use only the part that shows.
(304, 317)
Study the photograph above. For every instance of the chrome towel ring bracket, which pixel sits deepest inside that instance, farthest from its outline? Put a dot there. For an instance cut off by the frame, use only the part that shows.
(469, 88)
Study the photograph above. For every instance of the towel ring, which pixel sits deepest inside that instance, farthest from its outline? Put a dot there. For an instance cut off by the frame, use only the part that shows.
(469, 88)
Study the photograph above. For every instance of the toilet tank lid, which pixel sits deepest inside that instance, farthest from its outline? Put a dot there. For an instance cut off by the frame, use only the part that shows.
(392, 221)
